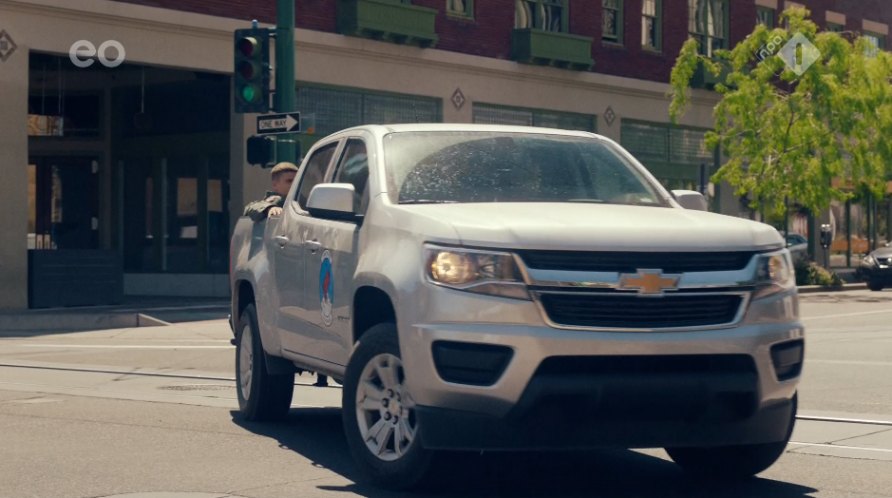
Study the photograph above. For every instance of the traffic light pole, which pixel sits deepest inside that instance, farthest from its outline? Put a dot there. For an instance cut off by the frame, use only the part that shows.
(285, 98)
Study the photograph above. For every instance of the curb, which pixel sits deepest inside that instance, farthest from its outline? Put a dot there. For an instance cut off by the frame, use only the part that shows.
(77, 320)
(811, 289)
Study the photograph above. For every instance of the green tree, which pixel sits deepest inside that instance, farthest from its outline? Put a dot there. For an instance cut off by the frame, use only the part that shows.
(813, 137)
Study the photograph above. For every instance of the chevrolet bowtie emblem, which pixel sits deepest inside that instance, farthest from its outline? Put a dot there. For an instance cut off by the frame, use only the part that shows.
(648, 282)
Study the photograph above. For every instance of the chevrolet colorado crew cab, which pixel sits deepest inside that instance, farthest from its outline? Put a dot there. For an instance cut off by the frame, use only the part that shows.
(479, 287)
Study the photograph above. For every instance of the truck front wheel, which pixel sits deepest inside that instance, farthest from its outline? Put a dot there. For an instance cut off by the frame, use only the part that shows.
(379, 413)
(261, 395)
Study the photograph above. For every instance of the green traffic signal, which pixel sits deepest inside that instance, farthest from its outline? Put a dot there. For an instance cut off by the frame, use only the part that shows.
(250, 94)
(251, 70)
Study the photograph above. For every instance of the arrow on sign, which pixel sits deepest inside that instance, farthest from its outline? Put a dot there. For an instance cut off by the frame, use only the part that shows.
(272, 124)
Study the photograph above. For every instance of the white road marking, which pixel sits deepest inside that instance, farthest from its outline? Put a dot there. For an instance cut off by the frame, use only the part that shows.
(136, 373)
(119, 346)
(852, 362)
(845, 420)
(842, 447)
(843, 315)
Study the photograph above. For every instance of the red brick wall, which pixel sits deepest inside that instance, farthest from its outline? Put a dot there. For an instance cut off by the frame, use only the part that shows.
(488, 34)
(262, 10)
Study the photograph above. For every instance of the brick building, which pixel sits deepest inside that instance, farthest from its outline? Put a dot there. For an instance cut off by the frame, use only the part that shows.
(131, 171)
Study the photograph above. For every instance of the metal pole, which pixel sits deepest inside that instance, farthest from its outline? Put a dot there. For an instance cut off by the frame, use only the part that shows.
(848, 233)
(285, 99)
(703, 178)
(888, 219)
(867, 208)
(875, 235)
(814, 238)
(786, 216)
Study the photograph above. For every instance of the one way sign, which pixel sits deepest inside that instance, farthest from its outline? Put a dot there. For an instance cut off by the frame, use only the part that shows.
(273, 124)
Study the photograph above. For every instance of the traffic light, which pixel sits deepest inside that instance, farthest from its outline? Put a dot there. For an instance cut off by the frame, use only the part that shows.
(261, 151)
(252, 70)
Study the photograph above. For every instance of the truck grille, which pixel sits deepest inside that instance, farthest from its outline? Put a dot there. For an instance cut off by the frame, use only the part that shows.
(625, 311)
(718, 388)
(627, 262)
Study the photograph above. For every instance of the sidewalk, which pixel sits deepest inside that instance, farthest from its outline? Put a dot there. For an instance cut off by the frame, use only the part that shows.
(810, 289)
(136, 311)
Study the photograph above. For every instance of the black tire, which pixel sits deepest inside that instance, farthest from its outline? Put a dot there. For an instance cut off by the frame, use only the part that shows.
(732, 463)
(874, 286)
(261, 396)
(407, 467)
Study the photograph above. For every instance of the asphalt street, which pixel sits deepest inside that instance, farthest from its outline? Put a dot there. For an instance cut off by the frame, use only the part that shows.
(150, 412)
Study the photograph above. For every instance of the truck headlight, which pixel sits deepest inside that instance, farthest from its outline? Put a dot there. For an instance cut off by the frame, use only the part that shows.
(483, 272)
(774, 273)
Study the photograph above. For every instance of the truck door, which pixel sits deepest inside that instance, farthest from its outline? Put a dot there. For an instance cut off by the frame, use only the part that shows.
(289, 254)
(331, 263)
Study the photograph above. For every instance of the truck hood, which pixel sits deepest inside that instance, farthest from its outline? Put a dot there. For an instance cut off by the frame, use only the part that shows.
(603, 227)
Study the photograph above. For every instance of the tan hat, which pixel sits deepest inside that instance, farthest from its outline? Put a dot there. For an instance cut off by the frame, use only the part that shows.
(282, 167)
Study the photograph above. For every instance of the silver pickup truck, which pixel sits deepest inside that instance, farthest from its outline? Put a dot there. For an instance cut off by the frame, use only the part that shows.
(506, 288)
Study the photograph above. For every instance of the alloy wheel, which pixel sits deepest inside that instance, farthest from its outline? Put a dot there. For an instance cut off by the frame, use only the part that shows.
(384, 409)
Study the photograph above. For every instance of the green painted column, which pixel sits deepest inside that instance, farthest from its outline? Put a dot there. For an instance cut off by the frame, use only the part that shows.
(285, 98)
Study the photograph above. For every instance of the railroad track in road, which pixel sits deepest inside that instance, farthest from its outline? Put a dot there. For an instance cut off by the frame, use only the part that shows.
(814, 418)
(872, 426)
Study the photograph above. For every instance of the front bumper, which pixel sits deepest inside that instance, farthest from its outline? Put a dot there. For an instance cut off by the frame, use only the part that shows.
(584, 388)
(569, 427)
(876, 274)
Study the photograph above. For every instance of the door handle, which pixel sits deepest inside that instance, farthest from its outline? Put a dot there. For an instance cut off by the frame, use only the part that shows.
(313, 245)
(281, 240)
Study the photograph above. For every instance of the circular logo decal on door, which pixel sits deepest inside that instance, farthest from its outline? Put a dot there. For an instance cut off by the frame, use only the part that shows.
(326, 287)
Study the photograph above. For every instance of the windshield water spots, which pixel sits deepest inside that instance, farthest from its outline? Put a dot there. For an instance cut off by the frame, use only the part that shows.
(450, 167)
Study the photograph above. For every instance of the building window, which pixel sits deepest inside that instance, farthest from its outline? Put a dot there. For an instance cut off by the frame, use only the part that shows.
(708, 24)
(336, 108)
(765, 17)
(877, 41)
(835, 28)
(463, 8)
(613, 21)
(64, 115)
(651, 33)
(523, 116)
(546, 15)
(673, 154)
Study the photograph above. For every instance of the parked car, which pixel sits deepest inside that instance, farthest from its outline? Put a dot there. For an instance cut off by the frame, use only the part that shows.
(876, 269)
(797, 244)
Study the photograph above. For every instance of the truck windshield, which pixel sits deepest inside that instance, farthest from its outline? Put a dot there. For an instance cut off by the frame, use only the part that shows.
(476, 166)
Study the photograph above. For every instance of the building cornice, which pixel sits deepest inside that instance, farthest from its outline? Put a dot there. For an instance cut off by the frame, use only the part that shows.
(365, 49)
(179, 23)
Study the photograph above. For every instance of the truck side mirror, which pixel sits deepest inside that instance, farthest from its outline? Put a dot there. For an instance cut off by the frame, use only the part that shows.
(690, 199)
(336, 201)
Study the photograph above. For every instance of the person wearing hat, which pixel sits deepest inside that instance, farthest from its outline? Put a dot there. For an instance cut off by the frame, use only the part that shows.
(282, 176)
